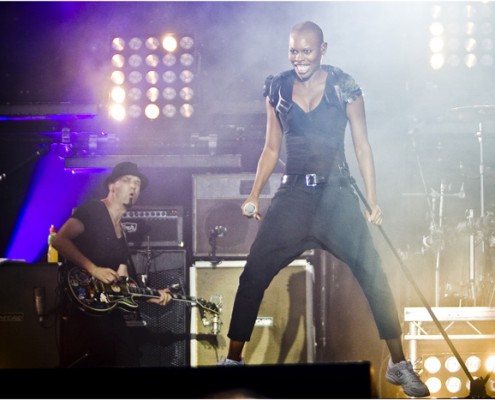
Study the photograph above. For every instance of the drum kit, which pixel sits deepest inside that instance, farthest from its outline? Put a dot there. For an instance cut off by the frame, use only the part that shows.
(459, 189)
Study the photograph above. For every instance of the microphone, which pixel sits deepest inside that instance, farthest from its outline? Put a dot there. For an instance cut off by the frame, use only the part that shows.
(39, 302)
(249, 209)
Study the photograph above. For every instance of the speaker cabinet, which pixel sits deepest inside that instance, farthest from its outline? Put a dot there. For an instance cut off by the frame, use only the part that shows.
(25, 291)
(217, 200)
(163, 332)
(284, 330)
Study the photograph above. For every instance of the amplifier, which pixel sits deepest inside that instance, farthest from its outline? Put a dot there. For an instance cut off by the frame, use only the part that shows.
(154, 226)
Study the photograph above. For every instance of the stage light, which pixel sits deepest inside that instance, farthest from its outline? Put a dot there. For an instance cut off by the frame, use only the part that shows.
(152, 111)
(432, 364)
(452, 365)
(117, 112)
(470, 45)
(117, 77)
(453, 384)
(436, 28)
(461, 35)
(436, 44)
(490, 364)
(153, 78)
(443, 375)
(437, 61)
(186, 110)
(169, 43)
(470, 60)
(118, 94)
(473, 364)
(434, 385)
(486, 60)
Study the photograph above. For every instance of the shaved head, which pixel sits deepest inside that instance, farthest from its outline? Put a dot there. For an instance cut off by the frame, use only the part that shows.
(308, 26)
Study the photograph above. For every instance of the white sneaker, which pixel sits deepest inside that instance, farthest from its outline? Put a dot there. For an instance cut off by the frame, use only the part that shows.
(231, 363)
(403, 374)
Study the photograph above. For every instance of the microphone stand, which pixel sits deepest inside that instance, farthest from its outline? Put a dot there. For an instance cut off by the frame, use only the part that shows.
(214, 233)
(477, 386)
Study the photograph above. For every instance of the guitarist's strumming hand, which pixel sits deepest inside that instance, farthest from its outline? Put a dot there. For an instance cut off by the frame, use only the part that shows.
(106, 275)
(165, 297)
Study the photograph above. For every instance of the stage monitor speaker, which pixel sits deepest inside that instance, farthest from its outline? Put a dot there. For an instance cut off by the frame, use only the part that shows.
(29, 315)
(217, 200)
(163, 332)
(284, 330)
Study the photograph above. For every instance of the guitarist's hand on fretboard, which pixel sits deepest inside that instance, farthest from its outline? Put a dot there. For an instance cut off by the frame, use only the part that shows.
(165, 297)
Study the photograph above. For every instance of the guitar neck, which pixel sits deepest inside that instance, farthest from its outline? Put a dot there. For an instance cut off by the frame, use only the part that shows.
(144, 292)
(153, 293)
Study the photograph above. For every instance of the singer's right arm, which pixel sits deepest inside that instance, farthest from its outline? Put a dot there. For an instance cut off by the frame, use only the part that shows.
(269, 156)
(64, 244)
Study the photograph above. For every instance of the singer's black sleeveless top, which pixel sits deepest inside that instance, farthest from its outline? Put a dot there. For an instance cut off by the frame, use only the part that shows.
(314, 140)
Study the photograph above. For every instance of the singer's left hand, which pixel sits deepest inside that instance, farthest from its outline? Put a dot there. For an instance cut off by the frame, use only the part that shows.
(376, 216)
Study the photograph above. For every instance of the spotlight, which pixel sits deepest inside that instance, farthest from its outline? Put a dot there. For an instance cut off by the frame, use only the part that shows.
(473, 364)
(490, 364)
(152, 111)
(453, 384)
(117, 112)
(434, 385)
(118, 94)
(437, 61)
(432, 364)
(461, 32)
(452, 365)
(169, 43)
(153, 78)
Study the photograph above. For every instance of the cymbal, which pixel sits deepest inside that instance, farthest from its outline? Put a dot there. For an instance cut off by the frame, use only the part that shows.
(457, 120)
(476, 113)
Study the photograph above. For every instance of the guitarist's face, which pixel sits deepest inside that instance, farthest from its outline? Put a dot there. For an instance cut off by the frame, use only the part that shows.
(126, 190)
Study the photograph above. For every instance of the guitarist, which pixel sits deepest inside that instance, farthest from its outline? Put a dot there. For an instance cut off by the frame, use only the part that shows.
(93, 239)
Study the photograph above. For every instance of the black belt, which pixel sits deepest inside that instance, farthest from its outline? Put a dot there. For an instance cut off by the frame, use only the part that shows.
(313, 179)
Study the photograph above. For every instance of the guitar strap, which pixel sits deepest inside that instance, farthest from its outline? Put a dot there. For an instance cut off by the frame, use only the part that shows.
(131, 317)
(131, 266)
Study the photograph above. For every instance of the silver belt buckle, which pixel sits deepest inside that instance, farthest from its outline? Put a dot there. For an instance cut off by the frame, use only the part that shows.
(311, 180)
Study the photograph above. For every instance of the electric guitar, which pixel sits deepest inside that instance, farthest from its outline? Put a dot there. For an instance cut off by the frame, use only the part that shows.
(98, 298)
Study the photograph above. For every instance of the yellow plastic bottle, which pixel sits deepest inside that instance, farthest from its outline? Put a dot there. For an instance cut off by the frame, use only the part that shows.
(52, 255)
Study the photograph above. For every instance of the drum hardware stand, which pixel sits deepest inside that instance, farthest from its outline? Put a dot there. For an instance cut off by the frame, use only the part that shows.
(479, 135)
(439, 247)
(477, 386)
(436, 236)
(472, 277)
